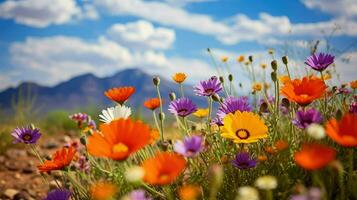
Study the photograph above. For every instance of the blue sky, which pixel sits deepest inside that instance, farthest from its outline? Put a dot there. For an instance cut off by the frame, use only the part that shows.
(49, 41)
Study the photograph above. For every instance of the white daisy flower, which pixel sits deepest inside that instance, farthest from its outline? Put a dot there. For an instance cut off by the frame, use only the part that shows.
(114, 113)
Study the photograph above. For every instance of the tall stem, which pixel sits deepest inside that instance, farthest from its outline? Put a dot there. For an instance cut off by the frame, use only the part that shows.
(161, 113)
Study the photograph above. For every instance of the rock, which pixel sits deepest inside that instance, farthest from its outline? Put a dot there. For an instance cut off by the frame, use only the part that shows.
(50, 145)
(2, 159)
(66, 139)
(11, 153)
(22, 196)
(17, 176)
(10, 193)
(12, 166)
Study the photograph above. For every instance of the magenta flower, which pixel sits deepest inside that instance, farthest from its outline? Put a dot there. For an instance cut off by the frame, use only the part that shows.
(319, 62)
(26, 135)
(58, 194)
(79, 117)
(243, 161)
(190, 147)
(305, 118)
(208, 87)
(182, 107)
(231, 105)
(138, 195)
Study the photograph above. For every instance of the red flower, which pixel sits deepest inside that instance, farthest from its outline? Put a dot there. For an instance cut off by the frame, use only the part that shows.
(314, 156)
(60, 159)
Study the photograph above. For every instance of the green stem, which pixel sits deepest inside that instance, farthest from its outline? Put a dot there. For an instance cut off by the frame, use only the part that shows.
(153, 190)
(181, 90)
(161, 112)
(287, 70)
(155, 120)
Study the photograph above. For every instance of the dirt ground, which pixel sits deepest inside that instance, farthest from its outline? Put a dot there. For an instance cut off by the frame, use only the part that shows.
(19, 177)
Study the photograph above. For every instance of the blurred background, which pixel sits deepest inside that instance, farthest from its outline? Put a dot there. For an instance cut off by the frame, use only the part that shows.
(57, 57)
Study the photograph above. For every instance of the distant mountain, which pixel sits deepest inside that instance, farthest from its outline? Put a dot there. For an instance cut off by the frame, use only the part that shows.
(87, 89)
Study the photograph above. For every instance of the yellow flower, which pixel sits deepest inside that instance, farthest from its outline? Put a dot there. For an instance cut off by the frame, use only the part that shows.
(189, 192)
(179, 77)
(284, 79)
(257, 87)
(201, 112)
(263, 65)
(240, 58)
(244, 127)
(224, 59)
(353, 84)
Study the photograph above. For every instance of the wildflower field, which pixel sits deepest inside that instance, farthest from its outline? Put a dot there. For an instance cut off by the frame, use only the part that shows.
(293, 137)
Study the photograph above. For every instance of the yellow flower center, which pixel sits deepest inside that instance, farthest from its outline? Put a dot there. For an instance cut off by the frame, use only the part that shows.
(120, 148)
(164, 177)
(242, 134)
(305, 96)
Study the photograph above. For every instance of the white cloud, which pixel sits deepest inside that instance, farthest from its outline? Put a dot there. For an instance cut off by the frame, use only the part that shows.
(346, 8)
(142, 35)
(42, 13)
(164, 14)
(50, 60)
(181, 3)
(346, 67)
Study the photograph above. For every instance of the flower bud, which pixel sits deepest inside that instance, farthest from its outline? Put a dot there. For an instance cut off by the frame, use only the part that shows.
(274, 65)
(216, 97)
(285, 59)
(221, 79)
(161, 116)
(230, 77)
(156, 81)
(83, 140)
(250, 58)
(273, 76)
(172, 96)
(263, 107)
(164, 145)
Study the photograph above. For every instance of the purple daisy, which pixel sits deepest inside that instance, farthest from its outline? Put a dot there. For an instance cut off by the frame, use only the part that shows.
(190, 147)
(26, 135)
(243, 161)
(305, 118)
(320, 62)
(218, 121)
(208, 87)
(138, 195)
(58, 194)
(182, 107)
(231, 105)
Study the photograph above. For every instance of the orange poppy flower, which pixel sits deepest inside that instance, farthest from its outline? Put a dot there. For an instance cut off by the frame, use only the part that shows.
(164, 168)
(152, 104)
(179, 77)
(119, 139)
(120, 94)
(262, 158)
(60, 159)
(344, 132)
(154, 135)
(314, 156)
(269, 149)
(189, 192)
(103, 191)
(304, 91)
(281, 145)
